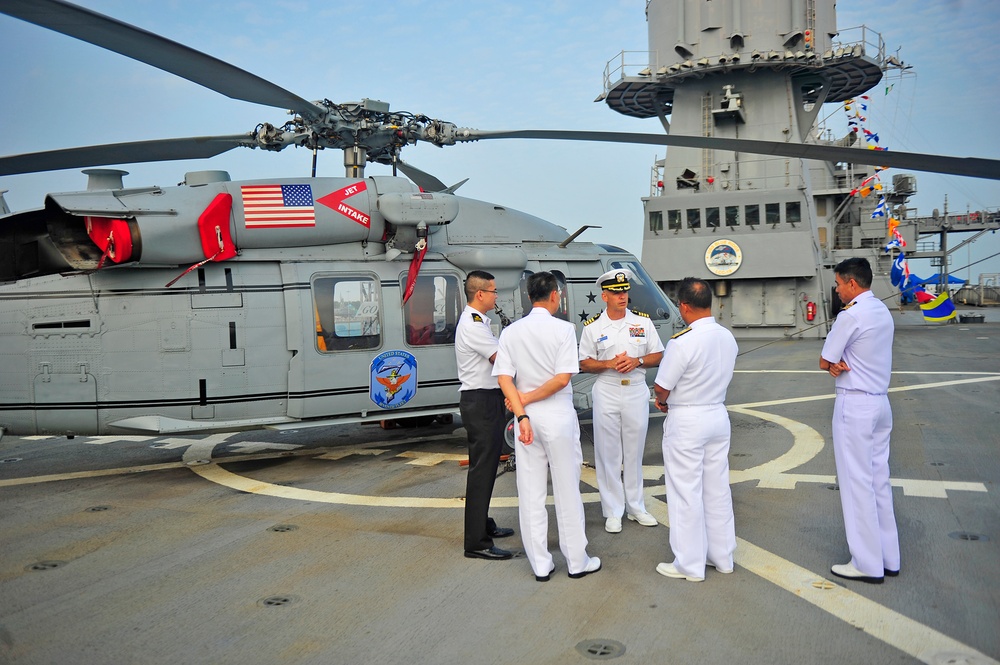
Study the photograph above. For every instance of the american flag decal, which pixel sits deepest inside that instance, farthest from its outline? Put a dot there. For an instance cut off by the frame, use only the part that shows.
(278, 206)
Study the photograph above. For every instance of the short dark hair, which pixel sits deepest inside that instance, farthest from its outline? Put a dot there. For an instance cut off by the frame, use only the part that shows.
(695, 292)
(476, 281)
(541, 285)
(856, 268)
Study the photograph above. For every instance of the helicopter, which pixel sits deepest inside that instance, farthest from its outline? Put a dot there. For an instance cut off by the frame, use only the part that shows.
(221, 305)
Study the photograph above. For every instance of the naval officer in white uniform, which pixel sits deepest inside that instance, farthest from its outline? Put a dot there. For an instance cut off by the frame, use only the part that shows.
(690, 388)
(536, 359)
(618, 346)
(858, 352)
(481, 406)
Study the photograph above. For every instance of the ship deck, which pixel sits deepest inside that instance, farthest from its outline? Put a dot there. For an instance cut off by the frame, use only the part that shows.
(343, 545)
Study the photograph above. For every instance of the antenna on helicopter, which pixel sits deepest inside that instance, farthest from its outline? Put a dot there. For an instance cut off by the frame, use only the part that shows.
(580, 230)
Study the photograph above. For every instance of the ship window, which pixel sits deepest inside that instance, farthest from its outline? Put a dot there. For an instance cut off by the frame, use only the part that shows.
(711, 218)
(674, 220)
(694, 218)
(348, 315)
(772, 213)
(752, 214)
(732, 215)
(431, 313)
(793, 212)
(655, 220)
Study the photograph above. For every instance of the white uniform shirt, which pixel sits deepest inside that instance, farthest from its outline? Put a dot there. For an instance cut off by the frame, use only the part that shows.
(862, 337)
(535, 348)
(474, 344)
(603, 339)
(698, 364)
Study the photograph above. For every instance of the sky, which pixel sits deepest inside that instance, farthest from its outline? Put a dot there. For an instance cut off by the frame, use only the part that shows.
(505, 65)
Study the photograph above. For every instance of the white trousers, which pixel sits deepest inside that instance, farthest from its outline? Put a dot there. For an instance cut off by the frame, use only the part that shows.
(557, 448)
(861, 428)
(621, 420)
(699, 501)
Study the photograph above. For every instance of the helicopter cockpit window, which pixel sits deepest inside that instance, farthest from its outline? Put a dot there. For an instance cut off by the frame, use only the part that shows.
(348, 313)
(562, 312)
(431, 313)
(644, 295)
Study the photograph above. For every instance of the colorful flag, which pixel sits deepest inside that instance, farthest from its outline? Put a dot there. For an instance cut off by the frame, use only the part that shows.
(278, 206)
(879, 210)
(940, 309)
(898, 271)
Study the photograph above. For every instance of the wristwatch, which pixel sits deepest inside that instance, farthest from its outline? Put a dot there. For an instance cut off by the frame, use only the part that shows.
(640, 362)
(521, 417)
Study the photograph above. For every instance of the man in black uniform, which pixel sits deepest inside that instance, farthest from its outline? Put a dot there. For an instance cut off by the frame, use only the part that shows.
(482, 409)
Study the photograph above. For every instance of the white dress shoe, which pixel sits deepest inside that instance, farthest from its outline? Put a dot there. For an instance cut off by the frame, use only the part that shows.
(668, 570)
(645, 519)
(849, 572)
(613, 525)
(724, 571)
(592, 566)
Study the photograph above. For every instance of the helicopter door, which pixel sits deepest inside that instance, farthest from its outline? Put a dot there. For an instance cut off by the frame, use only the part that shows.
(63, 351)
(430, 317)
(335, 326)
(64, 402)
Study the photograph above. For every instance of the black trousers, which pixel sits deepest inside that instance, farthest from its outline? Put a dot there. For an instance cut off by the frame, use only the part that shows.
(483, 416)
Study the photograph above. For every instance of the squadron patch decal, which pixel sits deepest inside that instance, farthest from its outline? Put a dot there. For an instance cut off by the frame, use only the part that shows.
(393, 379)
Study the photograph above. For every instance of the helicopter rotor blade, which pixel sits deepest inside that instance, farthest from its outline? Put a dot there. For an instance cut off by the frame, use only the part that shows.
(162, 53)
(974, 167)
(198, 147)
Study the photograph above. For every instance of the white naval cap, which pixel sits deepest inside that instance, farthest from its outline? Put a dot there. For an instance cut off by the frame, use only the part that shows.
(616, 279)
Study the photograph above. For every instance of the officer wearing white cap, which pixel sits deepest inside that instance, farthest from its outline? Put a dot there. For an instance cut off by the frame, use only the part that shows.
(618, 345)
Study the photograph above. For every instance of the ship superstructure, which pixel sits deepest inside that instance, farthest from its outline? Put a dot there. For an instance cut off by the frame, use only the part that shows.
(765, 231)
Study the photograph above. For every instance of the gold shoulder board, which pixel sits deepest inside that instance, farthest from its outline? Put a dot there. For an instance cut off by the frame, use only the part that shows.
(675, 336)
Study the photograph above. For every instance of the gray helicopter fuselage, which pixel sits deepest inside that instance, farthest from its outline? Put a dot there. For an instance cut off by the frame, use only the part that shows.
(304, 323)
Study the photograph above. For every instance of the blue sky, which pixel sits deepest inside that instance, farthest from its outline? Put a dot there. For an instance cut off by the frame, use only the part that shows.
(507, 65)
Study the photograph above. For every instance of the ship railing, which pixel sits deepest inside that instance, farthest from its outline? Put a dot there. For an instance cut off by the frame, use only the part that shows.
(871, 42)
(630, 63)
(717, 180)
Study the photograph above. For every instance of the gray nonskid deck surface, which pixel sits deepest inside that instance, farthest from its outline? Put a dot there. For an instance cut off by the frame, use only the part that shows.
(343, 545)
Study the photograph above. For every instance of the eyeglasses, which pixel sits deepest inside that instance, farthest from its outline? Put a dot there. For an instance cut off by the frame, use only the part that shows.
(487, 291)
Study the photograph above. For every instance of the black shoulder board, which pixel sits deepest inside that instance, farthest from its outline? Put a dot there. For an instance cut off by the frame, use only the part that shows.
(675, 336)
(591, 319)
(477, 318)
(638, 313)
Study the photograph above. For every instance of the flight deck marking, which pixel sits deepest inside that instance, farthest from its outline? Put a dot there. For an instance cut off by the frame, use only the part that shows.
(341, 453)
(431, 459)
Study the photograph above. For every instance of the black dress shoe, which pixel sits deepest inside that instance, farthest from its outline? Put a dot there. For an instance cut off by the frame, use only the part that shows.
(493, 553)
(501, 532)
(544, 578)
(891, 573)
